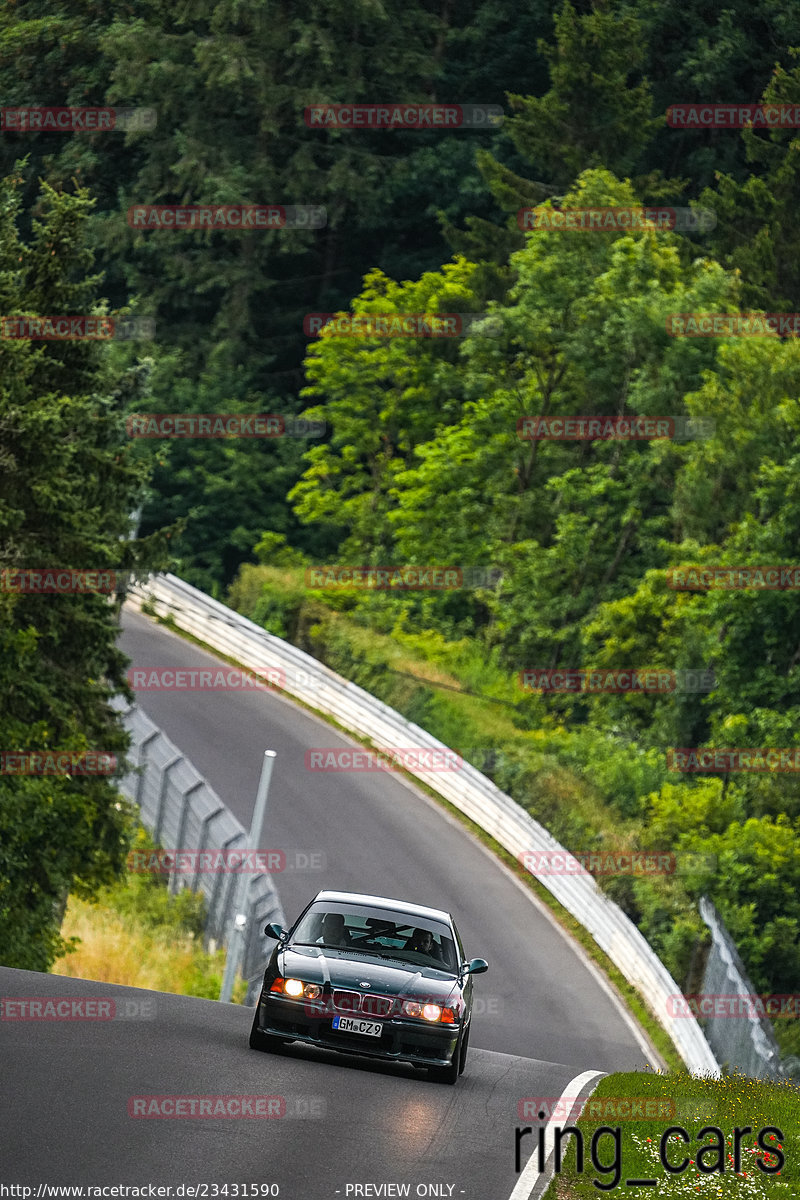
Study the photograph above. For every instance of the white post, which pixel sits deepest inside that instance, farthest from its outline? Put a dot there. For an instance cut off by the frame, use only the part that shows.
(237, 934)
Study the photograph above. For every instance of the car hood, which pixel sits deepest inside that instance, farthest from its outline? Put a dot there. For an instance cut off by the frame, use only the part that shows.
(343, 970)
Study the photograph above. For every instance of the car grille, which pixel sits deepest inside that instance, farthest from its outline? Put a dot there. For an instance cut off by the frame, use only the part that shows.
(377, 1006)
(370, 1005)
(346, 1002)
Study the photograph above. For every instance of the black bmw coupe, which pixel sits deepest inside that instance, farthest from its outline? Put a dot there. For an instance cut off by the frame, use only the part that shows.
(373, 977)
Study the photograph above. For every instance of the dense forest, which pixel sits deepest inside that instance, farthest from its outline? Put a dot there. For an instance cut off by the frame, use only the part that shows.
(421, 460)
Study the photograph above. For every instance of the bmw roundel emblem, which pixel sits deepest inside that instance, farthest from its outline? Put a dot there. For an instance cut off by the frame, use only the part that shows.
(364, 983)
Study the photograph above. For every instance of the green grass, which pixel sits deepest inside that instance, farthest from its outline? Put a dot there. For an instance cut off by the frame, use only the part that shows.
(138, 935)
(692, 1103)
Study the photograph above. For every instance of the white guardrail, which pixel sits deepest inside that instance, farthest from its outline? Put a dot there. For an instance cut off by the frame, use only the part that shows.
(467, 789)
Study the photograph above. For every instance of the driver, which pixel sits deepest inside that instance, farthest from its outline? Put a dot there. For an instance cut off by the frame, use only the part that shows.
(334, 932)
(423, 942)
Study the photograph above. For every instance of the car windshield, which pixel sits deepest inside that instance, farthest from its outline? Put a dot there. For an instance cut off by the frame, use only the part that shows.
(378, 932)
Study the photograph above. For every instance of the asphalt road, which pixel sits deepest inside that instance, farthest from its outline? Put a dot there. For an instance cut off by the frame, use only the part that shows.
(72, 1089)
(79, 1094)
(376, 833)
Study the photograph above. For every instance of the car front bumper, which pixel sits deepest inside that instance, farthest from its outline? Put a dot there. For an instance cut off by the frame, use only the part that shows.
(401, 1040)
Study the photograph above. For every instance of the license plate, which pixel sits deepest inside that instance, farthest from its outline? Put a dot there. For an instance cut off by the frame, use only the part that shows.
(350, 1025)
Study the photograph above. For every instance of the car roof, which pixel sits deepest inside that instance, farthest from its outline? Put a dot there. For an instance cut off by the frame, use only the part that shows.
(414, 910)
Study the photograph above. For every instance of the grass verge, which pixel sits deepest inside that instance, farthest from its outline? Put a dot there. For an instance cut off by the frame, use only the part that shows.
(138, 935)
(636, 1111)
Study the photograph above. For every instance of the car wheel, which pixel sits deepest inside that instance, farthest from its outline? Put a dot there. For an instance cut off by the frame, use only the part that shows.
(450, 1073)
(462, 1062)
(263, 1041)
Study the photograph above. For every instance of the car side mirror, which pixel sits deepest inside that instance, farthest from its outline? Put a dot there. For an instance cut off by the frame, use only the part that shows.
(475, 966)
(274, 931)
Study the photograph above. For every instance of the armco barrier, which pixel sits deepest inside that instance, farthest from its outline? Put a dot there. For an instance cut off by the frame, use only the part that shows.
(747, 1044)
(183, 812)
(467, 789)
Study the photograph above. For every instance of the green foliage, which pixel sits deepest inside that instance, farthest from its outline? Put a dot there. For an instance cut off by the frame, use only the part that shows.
(145, 898)
(224, 491)
(756, 891)
(422, 462)
(594, 114)
(383, 398)
(756, 232)
(585, 533)
(67, 489)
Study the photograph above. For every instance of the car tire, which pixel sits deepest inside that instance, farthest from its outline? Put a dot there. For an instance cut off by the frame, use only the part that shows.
(462, 1061)
(450, 1073)
(263, 1041)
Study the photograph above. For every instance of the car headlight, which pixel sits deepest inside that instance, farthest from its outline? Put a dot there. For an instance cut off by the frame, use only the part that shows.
(296, 988)
(428, 1012)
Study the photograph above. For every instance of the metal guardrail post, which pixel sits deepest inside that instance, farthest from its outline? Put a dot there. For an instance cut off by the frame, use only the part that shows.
(204, 825)
(141, 757)
(162, 792)
(219, 904)
(174, 877)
